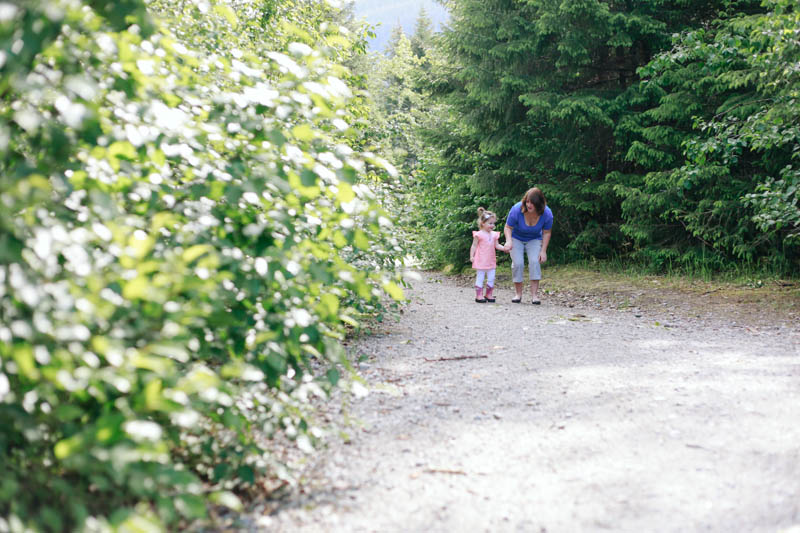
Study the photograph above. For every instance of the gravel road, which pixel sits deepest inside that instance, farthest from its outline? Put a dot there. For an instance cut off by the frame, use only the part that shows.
(513, 417)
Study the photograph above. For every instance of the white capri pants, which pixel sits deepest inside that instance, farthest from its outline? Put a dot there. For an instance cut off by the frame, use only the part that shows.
(518, 251)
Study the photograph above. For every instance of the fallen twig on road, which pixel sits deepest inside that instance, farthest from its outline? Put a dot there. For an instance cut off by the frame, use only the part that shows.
(459, 358)
(445, 471)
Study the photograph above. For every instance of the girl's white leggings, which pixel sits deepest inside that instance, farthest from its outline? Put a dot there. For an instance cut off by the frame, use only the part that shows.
(488, 274)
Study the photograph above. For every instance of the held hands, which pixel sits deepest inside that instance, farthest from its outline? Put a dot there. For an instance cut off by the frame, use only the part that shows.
(507, 248)
(542, 257)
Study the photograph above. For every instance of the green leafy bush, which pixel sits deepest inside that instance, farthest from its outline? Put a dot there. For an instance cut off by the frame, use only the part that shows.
(721, 144)
(186, 232)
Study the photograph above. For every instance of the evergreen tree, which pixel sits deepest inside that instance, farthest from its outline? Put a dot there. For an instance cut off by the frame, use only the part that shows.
(543, 94)
(398, 103)
(720, 145)
(422, 39)
(394, 39)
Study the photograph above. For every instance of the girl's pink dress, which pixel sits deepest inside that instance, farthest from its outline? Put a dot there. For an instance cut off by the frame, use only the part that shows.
(485, 258)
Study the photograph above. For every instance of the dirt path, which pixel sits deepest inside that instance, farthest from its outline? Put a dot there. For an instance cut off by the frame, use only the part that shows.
(560, 419)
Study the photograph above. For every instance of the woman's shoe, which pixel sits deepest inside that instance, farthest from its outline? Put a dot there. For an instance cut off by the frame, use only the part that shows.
(536, 301)
(516, 299)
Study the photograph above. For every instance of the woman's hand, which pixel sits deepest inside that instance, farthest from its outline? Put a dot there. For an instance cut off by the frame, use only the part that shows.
(507, 248)
(543, 256)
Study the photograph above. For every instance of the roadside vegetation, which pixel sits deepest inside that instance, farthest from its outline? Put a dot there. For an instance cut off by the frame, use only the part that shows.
(189, 227)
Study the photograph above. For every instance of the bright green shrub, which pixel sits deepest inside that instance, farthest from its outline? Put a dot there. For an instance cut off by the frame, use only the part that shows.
(185, 233)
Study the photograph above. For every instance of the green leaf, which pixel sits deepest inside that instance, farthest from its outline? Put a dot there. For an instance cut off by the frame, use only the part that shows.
(246, 474)
(23, 356)
(67, 413)
(345, 193)
(227, 499)
(228, 13)
(360, 240)
(221, 471)
(303, 133)
(137, 288)
(333, 376)
(394, 290)
(172, 350)
(329, 304)
(153, 395)
(194, 252)
(308, 178)
(277, 362)
(276, 137)
(10, 248)
(68, 447)
(122, 150)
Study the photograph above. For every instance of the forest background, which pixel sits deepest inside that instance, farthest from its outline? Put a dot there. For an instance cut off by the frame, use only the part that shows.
(663, 134)
(203, 199)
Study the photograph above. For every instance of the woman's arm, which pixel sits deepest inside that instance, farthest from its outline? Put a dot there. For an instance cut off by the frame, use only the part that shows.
(507, 232)
(545, 241)
(472, 249)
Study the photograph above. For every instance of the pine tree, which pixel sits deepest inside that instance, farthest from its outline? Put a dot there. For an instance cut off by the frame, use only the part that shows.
(394, 39)
(422, 39)
(544, 93)
(719, 143)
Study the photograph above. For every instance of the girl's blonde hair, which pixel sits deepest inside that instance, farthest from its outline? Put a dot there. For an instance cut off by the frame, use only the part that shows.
(484, 215)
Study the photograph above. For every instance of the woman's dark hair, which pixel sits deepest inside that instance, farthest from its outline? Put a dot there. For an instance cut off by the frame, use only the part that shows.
(536, 197)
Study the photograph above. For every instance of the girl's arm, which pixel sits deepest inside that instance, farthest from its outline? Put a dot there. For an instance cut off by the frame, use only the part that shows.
(497, 245)
(472, 249)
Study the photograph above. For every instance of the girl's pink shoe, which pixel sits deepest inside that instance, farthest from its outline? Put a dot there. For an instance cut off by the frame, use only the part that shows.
(489, 296)
(479, 295)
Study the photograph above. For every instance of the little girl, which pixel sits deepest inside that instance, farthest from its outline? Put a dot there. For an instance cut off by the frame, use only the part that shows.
(481, 253)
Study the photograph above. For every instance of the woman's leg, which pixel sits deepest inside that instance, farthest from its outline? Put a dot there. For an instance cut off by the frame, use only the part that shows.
(535, 290)
(532, 248)
(517, 266)
(518, 291)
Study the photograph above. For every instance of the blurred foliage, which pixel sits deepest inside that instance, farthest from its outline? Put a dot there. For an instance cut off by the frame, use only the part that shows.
(404, 116)
(188, 228)
(397, 108)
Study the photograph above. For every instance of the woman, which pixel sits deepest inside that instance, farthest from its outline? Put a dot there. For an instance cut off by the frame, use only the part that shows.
(528, 228)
